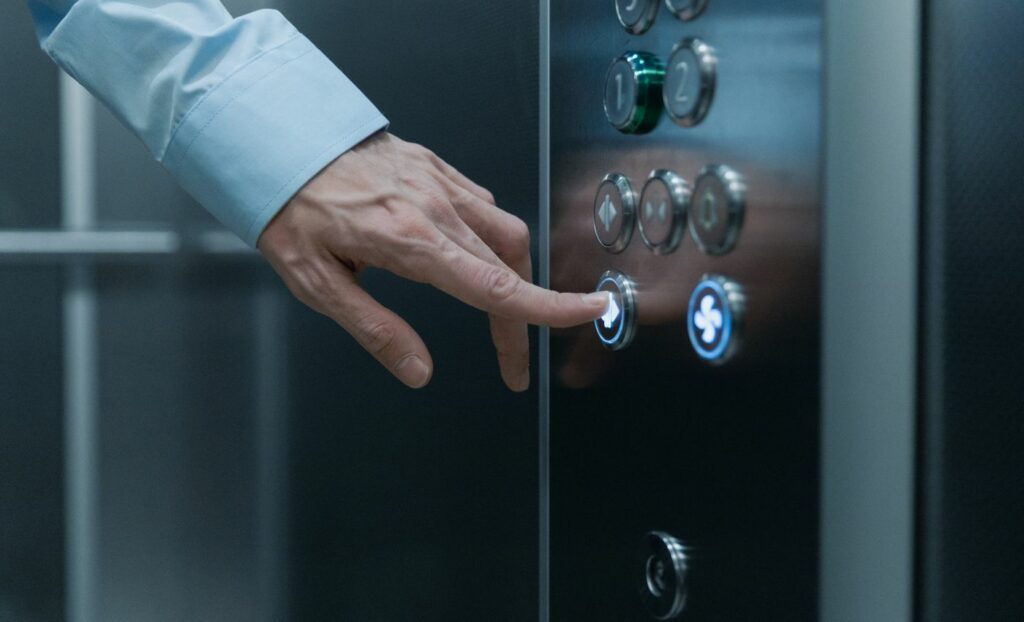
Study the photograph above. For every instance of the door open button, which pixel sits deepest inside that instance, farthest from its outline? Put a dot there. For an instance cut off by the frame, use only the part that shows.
(614, 212)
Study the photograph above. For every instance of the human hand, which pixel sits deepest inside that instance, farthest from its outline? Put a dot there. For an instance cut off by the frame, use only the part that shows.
(395, 205)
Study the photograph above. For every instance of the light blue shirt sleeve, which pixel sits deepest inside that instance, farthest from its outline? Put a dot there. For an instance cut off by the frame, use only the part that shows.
(241, 111)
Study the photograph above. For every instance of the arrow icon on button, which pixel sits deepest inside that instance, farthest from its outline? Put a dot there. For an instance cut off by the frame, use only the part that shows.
(607, 213)
(612, 314)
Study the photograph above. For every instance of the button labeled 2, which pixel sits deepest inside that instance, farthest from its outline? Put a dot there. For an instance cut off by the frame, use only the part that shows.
(690, 82)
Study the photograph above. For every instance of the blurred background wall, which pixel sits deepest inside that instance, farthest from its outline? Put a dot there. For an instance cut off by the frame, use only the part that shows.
(180, 440)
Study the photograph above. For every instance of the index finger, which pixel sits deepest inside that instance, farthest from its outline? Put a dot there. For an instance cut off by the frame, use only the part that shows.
(497, 289)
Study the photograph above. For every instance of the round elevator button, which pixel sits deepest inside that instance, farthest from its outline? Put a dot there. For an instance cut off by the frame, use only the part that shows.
(715, 318)
(719, 202)
(663, 569)
(614, 212)
(690, 82)
(632, 93)
(687, 10)
(636, 16)
(663, 206)
(617, 327)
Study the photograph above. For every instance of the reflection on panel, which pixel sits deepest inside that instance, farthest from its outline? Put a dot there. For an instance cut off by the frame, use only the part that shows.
(31, 444)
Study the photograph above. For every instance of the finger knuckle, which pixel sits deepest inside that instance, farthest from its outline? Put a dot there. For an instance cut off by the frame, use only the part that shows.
(375, 333)
(501, 284)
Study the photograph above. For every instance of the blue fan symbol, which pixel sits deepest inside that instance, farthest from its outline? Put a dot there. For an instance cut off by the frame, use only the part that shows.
(708, 319)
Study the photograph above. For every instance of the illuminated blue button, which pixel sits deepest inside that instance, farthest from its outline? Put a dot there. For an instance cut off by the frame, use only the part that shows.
(715, 318)
(617, 327)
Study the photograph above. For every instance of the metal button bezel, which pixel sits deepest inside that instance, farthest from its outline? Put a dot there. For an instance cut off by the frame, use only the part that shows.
(707, 71)
(679, 196)
(627, 297)
(690, 12)
(646, 18)
(670, 603)
(735, 190)
(628, 200)
(734, 308)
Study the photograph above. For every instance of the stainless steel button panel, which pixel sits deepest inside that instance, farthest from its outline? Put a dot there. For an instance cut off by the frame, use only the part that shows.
(719, 203)
(689, 87)
(632, 94)
(687, 10)
(663, 570)
(663, 207)
(636, 16)
(714, 319)
(617, 327)
(615, 212)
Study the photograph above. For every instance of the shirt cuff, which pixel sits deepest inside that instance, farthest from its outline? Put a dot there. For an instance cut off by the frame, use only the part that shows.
(256, 138)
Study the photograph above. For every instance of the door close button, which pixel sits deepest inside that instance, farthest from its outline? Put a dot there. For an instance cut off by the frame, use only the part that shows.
(663, 206)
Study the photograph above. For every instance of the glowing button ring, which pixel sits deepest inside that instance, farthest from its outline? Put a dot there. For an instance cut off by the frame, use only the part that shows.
(617, 327)
(715, 317)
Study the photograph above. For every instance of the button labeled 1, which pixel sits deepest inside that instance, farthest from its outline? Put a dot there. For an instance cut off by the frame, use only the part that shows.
(663, 206)
(719, 203)
(617, 327)
(636, 16)
(690, 82)
(715, 318)
(632, 92)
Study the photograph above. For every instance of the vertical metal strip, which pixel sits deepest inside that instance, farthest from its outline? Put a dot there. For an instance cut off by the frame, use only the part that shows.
(870, 307)
(544, 340)
(81, 443)
(271, 453)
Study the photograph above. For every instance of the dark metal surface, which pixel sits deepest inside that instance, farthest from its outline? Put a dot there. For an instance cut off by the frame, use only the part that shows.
(970, 542)
(651, 438)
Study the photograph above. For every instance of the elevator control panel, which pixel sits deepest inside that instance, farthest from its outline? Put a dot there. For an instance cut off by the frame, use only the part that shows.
(685, 183)
(632, 92)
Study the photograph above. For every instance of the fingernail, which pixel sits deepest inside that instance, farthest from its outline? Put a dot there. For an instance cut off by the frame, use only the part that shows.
(523, 382)
(598, 299)
(413, 372)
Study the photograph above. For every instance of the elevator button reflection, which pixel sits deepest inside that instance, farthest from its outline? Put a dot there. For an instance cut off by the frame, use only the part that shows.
(690, 77)
(663, 573)
(614, 212)
(664, 203)
(617, 327)
(686, 10)
(719, 203)
(715, 318)
(632, 93)
(636, 16)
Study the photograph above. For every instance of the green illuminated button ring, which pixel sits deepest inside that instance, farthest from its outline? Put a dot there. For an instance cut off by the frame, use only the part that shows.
(632, 94)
